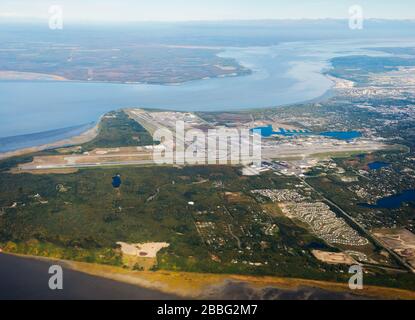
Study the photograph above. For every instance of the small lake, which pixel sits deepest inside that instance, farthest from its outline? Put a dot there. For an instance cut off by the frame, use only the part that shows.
(116, 181)
(377, 165)
(393, 202)
(342, 135)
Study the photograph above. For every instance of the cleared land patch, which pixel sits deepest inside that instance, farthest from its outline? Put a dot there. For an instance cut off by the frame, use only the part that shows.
(141, 256)
(334, 257)
(400, 241)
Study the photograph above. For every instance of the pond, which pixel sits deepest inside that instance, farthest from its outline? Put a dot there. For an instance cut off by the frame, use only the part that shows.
(378, 165)
(116, 181)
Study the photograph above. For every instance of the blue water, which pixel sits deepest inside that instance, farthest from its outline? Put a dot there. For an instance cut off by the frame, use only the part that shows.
(116, 181)
(280, 76)
(283, 74)
(41, 138)
(342, 135)
(24, 278)
(264, 131)
(393, 202)
(268, 131)
(378, 165)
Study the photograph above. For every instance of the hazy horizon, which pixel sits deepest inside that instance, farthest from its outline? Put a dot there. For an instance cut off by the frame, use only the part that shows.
(230, 21)
(201, 10)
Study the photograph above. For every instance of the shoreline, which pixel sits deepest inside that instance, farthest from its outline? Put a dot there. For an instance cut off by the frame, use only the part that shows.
(92, 133)
(199, 286)
(21, 76)
(37, 77)
(84, 137)
(7, 75)
(26, 278)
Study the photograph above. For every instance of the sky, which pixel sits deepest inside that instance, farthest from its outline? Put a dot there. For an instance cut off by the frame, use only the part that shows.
(190, 10)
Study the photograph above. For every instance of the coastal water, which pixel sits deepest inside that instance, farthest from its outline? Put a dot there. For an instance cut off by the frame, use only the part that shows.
(22, 278)
(41, 138)
(29, 107)
(284, 74)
